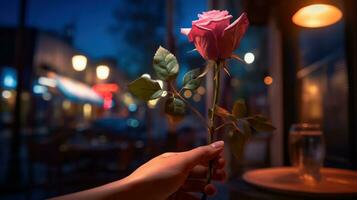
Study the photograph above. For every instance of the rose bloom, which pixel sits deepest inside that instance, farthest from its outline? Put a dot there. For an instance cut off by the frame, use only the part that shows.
(213, 35)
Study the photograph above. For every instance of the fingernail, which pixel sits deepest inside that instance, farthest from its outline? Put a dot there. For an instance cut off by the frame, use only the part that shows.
(218, 144)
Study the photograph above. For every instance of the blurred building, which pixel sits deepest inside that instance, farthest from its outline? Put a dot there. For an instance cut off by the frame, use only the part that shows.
(55, 91)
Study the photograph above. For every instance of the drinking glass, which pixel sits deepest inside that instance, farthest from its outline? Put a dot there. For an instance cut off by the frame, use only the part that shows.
(307, 151)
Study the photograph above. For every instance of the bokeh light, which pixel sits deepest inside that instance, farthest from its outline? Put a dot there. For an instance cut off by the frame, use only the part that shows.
(268, 80)
(79, 62)
(46, 96)
(39, 89)
(66, 105)
(187, 94)
(197, 97)
(249, 58)
(201, 90)
(102, 72)
(87, 110)
(6, 94)
(132, 107)
(134, 123)
(152, 103)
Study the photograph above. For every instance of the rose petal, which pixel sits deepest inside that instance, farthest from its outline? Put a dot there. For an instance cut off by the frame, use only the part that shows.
(185, 31)
(206, 21)
(205, 41)
(213, 14)
(232, 36)
(217, 25)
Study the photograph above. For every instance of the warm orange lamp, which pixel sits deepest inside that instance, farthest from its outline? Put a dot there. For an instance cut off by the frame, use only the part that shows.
(317, 15)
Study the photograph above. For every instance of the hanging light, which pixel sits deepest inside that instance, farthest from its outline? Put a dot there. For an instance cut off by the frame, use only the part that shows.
(317, 15)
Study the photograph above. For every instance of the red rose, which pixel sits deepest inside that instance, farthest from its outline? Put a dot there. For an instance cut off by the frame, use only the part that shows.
(213, 35)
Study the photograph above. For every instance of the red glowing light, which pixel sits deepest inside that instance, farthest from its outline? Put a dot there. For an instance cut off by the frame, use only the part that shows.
(106, 91)
(106, 87)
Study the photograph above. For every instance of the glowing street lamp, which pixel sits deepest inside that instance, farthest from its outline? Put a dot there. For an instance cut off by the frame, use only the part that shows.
(79, 62)
(102, 72)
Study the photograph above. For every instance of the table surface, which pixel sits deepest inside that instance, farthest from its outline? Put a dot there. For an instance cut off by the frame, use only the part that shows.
(240, 189)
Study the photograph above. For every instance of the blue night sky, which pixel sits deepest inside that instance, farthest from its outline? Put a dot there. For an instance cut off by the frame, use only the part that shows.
(92, 19)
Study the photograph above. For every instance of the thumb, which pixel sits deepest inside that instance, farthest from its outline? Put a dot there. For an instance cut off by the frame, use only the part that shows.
(204, 154)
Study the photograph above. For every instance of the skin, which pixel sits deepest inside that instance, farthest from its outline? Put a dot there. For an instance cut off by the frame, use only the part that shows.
(170, 176)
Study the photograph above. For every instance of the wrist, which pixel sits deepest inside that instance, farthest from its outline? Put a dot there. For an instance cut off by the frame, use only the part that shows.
(122, 189)
(128, 188)
(135, 188)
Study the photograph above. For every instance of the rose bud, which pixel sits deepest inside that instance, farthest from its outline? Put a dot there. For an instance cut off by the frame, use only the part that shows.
(213, 35)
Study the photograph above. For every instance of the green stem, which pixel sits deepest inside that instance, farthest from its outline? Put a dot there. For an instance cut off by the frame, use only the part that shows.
(212, 116)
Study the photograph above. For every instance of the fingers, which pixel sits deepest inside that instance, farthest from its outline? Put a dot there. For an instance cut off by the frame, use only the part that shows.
(200, 172)
(198, 186)
(203, 154)
(210, 190)
(194, 185)
(183, 196)
(218, 162)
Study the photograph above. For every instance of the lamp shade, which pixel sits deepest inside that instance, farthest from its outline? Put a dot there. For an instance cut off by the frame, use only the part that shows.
(316, 15)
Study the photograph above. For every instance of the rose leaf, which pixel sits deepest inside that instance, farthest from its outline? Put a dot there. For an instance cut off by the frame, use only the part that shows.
(237, 143)
(165, 64)
(175, 107)
(191, 79)
(260, 123)
(221, 112)
(145, 88)
(239, 109)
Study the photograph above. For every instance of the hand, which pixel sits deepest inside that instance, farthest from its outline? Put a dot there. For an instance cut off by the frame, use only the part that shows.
(176, 175)
(170, 176)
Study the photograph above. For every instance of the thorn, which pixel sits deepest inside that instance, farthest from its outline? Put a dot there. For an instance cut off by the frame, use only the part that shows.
(234, 56)
(226, 70)
(204, 72)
